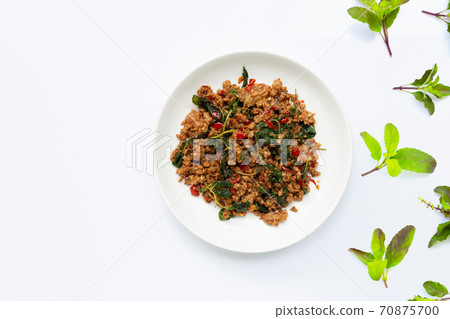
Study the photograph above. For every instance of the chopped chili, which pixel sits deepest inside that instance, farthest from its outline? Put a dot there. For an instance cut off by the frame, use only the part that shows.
(248, 122)
(194, 192)
(240, 136)
(270, 124)
(232, 190)
(217, 125)
(295, 152)
(216, 114)
(284, 120)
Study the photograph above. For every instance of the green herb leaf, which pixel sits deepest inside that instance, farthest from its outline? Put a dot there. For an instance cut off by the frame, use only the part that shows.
(443, 90)
(391, 138)
(366, 16)
(393, 167)
(419, 298)
(373, 145)
(245, 76)
(390, 18)
(443, 233)
(426, 100)
(414, 160)
(362, 255)
(443, 191)
(376, 269)
(399, 246)
(378, 247)
(208, 106)
(435, 289)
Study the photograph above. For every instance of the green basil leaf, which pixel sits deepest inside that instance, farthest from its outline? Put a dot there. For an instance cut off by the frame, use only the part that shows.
(426, 78)
(444, 90)
(443, 191)
(362, 255)
(378, 247)
(445, 202)
(390, 18)
(393, 167)
(399, 246)
(366, 16)
(448, 23)
(208, 106)
(376, 269)
(419, 298)
(391, 138)
(426, 100)
(443, 233)
(373, 145)
(245, 76)
(414, 160)
(435, 289)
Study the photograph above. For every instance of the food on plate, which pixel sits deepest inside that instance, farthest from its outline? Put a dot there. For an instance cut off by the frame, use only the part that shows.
(248, 148)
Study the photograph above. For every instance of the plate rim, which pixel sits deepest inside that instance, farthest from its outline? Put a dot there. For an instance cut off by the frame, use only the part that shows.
(347, 126)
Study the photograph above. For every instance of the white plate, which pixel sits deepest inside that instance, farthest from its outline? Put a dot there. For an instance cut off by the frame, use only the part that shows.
(249, 234)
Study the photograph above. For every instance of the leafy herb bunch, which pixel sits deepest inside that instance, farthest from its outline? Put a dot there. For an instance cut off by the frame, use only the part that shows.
(395, 252)
(434, 289)
(409, 159)
(443, 230)
(379, 17)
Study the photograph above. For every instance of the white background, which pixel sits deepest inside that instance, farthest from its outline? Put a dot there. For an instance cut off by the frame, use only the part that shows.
(71, 212)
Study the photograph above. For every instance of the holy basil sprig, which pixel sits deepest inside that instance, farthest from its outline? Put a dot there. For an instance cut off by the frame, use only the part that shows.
(395, 252)
(427, 84)
(434, 289)
(443, 230)
(409, 159)
(379, 17)
(443, 15)
(244, 76)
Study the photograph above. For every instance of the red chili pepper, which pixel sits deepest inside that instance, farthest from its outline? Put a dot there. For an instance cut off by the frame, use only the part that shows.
(261, 177)
(273, 107)
(243, 167)
(233, 191)
(250, 84)
(216, 114)
(285, 168)
(237, 178)
(217, 125)
(312, 180)
(248, 122)
(284, 120)
(240, 136)
(194, 192)
(270, 124)
(295, 152)
(300, 182)
(287, 112)
(302, 101)
(210, 98)
(220, 92)
(207, 198)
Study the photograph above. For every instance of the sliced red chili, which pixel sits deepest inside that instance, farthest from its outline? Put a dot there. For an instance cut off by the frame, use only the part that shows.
(300, 182)
(210, 98)
(285, 168)
(216, 114)
(284, 120)
(270, 124)
(312, 180)
(237, 178)
(217, 125)
(248, 122)
(251, 82)
(194, 192)
(273, 107)
(287, 112)
(220, 92)
(233, 191)
(243, 167)
(241, 136)
(295, 152)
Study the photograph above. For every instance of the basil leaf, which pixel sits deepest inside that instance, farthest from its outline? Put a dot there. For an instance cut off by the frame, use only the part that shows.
(399, 246)
(178, 160)
(426, 100)
(373, 145)
(444, 90)
(414, 160)
(443, 233)
(366, 16)
(239, 207)
(223, 193)
(378, 247)
(426, 77)
(443, 191)
(390, 18)
(435, 289)
(225, 183)
(419, 298)
(393, 167)
(362, 255)
(376, 269)
(221, 215)
(208, 106)
(245, 76)
(445, 202)
(391, 138)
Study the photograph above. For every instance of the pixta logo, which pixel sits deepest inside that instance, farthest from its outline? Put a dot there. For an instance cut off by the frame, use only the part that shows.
(148, 150)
